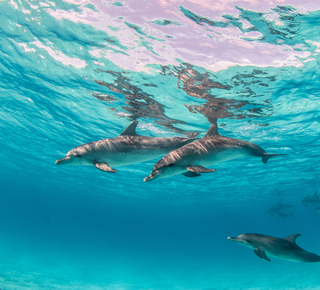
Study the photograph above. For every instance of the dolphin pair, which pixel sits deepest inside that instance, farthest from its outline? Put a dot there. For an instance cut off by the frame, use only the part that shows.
(285, 249)
(128, 148)
(192, 159)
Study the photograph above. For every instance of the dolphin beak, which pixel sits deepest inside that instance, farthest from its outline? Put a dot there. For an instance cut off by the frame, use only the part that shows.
(152, 176)
(148, 178)
(231, 238)
(63, 161)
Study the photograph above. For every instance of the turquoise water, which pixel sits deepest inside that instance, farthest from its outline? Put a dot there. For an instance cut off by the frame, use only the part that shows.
(79, 71)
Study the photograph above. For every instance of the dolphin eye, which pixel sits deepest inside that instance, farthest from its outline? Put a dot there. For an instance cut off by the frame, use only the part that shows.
(78, 155)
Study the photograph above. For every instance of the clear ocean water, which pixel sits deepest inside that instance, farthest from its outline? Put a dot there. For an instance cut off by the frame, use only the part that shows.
(75, 71)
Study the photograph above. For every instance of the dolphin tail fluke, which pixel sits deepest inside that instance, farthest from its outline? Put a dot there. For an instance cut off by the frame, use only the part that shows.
(266, 157)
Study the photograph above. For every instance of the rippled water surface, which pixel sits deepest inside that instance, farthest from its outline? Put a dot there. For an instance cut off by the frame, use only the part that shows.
(78, 71)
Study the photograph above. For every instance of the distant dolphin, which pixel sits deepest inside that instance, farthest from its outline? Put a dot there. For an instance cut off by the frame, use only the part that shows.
(312, 199)
(191, 159)
(283, 215)
(278, 208)
(285, 249)
(128, 148)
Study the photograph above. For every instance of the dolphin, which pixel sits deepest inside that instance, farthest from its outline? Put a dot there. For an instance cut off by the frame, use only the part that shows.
(278, 208)
(285, 249)
(128, 148)
(192, 159)
(312, 199)
(283, 215)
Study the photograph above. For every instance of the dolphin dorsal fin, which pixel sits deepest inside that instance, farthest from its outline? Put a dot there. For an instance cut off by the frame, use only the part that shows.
(213, 130)
(130, 130)
(316, 193)
(292, 238)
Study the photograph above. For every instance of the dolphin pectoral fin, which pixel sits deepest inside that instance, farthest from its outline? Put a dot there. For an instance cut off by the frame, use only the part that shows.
(200, 169)
(261, 254)
(190, 174)
(104, 167)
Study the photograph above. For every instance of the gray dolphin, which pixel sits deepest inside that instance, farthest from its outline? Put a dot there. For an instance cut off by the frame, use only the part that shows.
(284, 215)
(311, 199)
(191, 159)
(278, 208)
(128, 148)
(285, 249)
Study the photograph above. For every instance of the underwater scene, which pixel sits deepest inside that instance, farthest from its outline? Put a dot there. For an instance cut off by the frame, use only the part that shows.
(161, 144)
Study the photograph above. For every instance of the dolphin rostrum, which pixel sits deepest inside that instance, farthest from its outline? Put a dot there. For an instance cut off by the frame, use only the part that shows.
(285, 249)
(192, 159)
(128, 148)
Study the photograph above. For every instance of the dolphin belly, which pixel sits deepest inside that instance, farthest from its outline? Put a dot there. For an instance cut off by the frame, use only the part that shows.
(283, 254)
(119, 152)
(118, 159)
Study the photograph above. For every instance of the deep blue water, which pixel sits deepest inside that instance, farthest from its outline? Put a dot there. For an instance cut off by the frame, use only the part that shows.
(73, 72)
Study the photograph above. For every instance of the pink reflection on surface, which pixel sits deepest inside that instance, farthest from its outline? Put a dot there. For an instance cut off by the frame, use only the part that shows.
(211, 47)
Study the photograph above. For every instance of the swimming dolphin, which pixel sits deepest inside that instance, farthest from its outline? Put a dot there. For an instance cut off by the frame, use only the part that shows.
(285, 249)
(283, 215)
(312, 199)
(192, 159)
(278, 208)
(128, 148)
